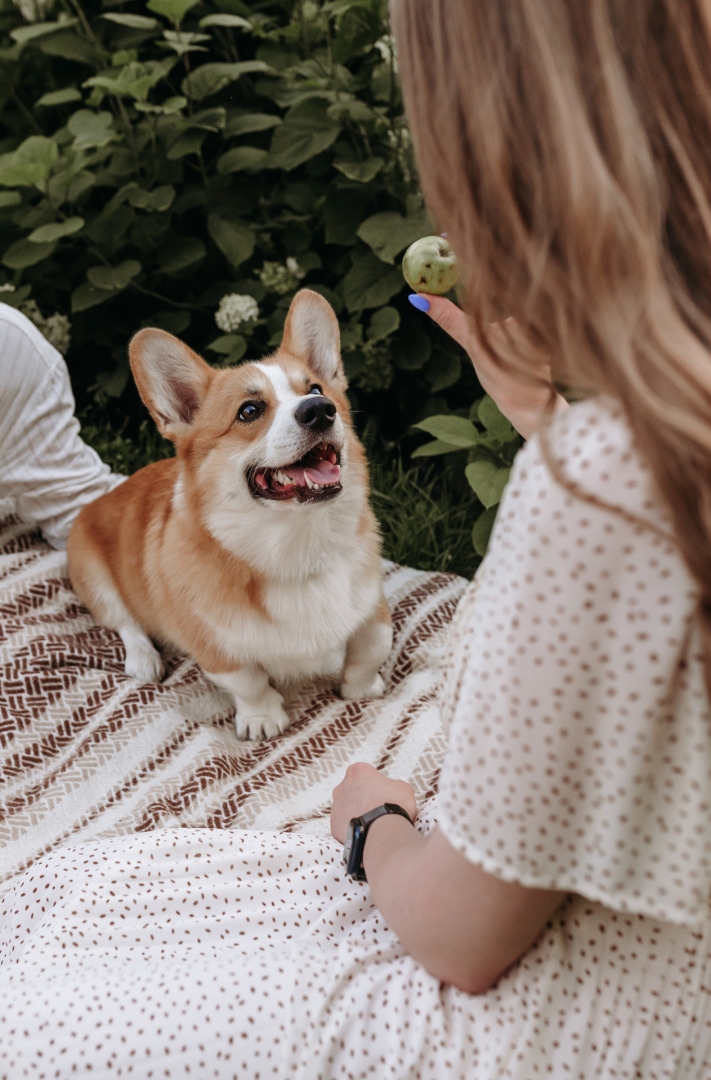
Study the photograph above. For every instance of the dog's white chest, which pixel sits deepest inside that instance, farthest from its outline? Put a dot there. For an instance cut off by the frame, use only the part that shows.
(301, 621)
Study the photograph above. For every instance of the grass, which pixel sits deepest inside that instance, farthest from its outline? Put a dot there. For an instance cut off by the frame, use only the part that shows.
(425, 519)
(425, 512)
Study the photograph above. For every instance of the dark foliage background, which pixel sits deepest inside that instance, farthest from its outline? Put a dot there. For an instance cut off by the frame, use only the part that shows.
(156, 158)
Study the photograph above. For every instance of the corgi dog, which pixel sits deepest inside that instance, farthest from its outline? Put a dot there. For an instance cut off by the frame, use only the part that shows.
(254, 549)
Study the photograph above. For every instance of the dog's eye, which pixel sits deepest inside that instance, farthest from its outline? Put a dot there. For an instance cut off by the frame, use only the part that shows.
(315, 389)
(249, 411)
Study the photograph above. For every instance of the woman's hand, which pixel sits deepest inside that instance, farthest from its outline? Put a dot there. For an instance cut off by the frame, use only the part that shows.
(523, 399)
(362, 789)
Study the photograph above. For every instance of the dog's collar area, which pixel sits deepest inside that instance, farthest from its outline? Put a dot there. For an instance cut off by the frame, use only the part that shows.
(314, 478)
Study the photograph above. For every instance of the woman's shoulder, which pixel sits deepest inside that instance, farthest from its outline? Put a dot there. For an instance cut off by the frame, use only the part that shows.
(590, 447)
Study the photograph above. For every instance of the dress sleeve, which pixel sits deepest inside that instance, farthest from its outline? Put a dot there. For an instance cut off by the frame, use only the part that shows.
(580, 730)
(46, 469)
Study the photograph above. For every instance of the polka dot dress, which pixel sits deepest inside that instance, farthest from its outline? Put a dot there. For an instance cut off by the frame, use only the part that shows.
(580, 760)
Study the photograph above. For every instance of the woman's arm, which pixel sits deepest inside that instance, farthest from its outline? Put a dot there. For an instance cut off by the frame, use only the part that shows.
(524, 400)
(463, 925)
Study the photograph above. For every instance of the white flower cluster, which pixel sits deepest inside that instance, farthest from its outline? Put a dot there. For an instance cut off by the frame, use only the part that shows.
(235, 309)
(56, 328)
(281, 278)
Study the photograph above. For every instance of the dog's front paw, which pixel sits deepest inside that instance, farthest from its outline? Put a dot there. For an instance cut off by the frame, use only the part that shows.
(370, 687)
(261, 725)
(143, 661)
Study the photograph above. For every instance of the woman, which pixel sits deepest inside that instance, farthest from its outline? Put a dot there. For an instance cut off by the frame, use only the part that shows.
(554, 919)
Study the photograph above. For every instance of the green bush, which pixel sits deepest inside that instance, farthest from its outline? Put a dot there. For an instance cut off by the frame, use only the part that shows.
(189, 164)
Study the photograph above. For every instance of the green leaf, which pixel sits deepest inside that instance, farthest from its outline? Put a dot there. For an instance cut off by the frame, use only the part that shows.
(487, 481)
(412, 349)
(59, 97)
(181, 42)
(226, 20)
(384, 322)
(189, 142)
(360, 171)
(10, 198)
(133, 80)
(90, 129)
(369, 283)
(175, 10)
(71, 46)
(242, 159)
(47, 234)
(493, 419)
(343, 212)
(211, 119)
(246, 123)
(305, 132)
(443, 371)
(23, 34)
(134, 22)
(175, 322)
(181, 253)
(168, 107)
(113, 277)
(209, 78)
(87, 296)
(454, 430)
(113, 383)
(388, 232)
(157, 200)
(482, 530)
(226, 343)
(430, 449)
(31, 163)
(23, 253)
(234, 239)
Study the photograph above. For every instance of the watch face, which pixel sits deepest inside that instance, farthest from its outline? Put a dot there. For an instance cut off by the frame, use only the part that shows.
(348, 845)
(353, 849)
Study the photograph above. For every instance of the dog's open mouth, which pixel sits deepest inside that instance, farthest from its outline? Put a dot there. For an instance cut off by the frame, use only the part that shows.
(316, 476)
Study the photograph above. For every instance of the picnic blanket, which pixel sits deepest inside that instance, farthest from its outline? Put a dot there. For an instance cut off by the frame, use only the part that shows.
(87, 752)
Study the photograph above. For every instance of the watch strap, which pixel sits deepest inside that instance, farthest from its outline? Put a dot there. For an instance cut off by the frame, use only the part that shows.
(360, 827)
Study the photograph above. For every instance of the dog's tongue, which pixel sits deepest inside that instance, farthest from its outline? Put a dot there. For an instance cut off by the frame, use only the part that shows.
(323, 472)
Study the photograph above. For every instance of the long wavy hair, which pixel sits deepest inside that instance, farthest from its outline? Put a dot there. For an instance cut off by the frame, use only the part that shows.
(565, 147)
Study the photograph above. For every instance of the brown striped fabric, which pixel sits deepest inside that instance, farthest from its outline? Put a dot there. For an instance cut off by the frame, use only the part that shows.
(86, 752)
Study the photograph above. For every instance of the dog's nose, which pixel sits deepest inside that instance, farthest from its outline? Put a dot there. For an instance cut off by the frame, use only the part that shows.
(316, 413)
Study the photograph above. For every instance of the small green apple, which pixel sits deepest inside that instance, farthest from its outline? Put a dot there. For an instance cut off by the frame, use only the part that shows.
(429, 265)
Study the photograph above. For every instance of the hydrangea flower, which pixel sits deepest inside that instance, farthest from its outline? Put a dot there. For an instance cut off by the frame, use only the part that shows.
(234, 310)
(281, 278)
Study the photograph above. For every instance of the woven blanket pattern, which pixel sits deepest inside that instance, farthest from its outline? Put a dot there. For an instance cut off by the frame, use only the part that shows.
(87, 752)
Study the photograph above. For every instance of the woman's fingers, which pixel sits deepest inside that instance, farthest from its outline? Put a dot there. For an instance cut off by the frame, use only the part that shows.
(447, 315)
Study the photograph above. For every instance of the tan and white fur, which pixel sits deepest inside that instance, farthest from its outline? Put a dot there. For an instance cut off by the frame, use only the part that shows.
(262, 575)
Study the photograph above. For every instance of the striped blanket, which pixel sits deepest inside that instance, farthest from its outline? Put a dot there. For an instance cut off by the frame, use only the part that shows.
(87, 752)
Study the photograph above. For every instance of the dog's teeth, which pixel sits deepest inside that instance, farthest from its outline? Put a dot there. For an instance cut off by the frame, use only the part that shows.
(309, 481)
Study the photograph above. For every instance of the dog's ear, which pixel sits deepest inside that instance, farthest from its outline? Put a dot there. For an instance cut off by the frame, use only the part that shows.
(171, 379)
(311, 334)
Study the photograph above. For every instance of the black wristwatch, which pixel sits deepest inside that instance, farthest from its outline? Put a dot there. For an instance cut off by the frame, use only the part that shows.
(355, 837)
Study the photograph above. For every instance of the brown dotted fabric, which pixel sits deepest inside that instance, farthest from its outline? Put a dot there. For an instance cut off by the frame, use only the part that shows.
(577, 761)
(580, 731)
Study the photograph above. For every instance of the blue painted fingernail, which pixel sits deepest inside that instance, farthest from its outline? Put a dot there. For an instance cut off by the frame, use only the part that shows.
(419, 302)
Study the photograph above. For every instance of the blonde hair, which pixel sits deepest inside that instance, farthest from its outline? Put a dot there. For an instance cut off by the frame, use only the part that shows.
(565, 147)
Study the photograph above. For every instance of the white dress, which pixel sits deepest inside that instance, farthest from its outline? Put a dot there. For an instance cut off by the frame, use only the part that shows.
(580, 759)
